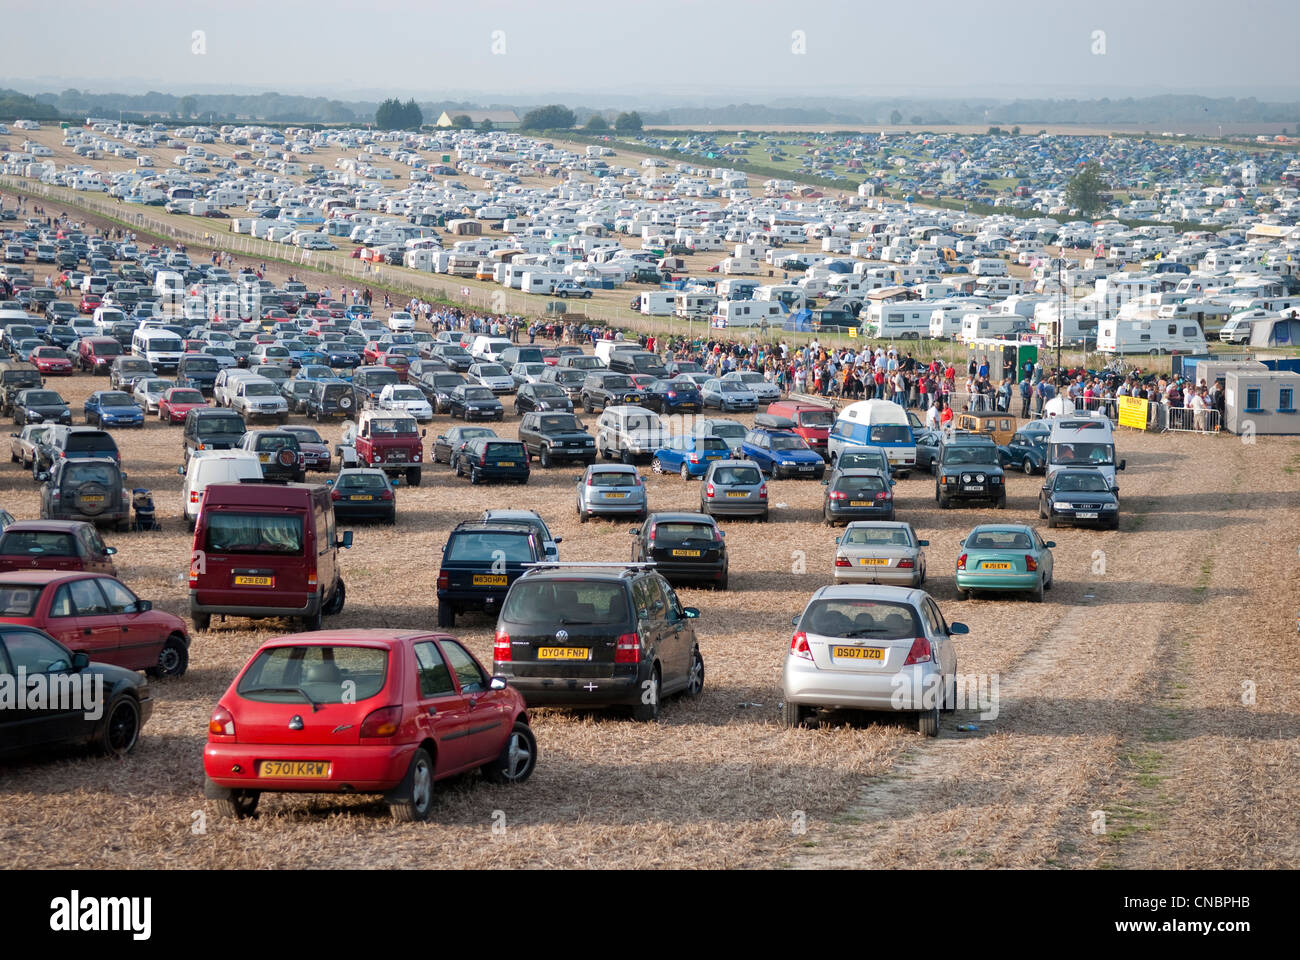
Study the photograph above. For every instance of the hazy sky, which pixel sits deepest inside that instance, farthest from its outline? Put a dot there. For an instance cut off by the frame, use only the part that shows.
(680, 49)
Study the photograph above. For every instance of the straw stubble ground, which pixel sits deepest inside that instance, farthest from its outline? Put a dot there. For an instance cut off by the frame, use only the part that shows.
(718, 782)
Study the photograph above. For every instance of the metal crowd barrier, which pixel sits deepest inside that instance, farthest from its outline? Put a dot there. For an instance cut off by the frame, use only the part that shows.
(1187, 420)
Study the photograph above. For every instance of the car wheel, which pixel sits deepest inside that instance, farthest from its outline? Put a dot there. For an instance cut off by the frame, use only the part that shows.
(202, 621)
(313, 621)
(123, 526)
(963, 594)
(334, 605)
(647, 710)
(446, 614)
(927, 722)
(413, 476)
(545, 458)
(518, 757)
(172, 659)
(1037, 593)
(582, 515)
(414, 801)
(474, 477)
(1001, 503)
(794, 714)
(944, 502)
(656, 466)
(239, 805)
(626, 457)
(121, 726)
(1051, 522)
(1027, 466)
(686, 473)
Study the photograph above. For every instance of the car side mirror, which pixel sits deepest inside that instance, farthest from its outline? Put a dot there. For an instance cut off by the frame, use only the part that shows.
(923, 543)
(143, 606)
(109, 551)
(634, 530)
(80, 661)
(893, 483)
(826, 483)
(346, 542)
(577, 479)
(329, 482)
(1115, 489)
(558, 540)
(497, 683)
(440, 437)
(794, 621)
(1122, 464)
(690, 612)
(837, 539)
(1051, 543)
(956, 629)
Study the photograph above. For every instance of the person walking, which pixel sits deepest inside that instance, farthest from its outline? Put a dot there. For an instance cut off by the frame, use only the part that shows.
(1024, 398)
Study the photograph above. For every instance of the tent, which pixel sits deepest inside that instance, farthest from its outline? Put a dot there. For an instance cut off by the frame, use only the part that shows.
(1275, 332)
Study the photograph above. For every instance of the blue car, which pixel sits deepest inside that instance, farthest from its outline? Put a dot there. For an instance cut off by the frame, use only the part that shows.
(782, 453)
(357, 311)
(689, 455)
(112, 408)
(342, 358)
(316, 370)
(671, 396)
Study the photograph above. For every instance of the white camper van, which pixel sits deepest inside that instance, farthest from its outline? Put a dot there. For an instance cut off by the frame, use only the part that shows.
(1150, 336)
(749, 313)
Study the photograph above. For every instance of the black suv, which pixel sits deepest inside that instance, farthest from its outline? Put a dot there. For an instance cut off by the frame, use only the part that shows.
(597, 636)
(553, 437)
(40, 406)
(92, 489)
(75, 443)
(437, 388)
(368, 383)
(604, 388)
(492, 459)
(125, 371)
(211, 428)
(479, 562)
(637, 361)
(684, 547)
(967, 468)
(198, 371)
(329, 399)
(16, 375)
(279, 454)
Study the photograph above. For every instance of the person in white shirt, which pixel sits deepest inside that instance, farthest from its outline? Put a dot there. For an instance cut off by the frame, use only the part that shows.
(932, 415)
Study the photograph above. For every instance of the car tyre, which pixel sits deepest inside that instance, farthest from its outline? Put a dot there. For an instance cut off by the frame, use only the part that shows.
(927, 722)
(643, 712)
(446, 614)
(545, 458)
(686, 473)
(695, 678)
(413, 801)
(121, 726)
(1027, 466)
(172, 659)
(413, 476)
(518, 757)
(334, 605)
(1051, 522)
(314, 621)
(656, 466)
(626, 458)
(239, 805)
(794, 714)
(963, 594)
(1036, 594)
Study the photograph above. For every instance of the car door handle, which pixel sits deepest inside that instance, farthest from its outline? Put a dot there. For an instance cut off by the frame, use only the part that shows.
(433, 711)
(86, 630)
(473, 702)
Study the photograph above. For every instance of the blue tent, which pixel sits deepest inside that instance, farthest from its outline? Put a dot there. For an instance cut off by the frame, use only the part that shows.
(799, 320)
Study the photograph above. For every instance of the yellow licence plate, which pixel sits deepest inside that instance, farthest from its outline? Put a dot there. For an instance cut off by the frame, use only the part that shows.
(246, 581)
(563, 653)
(505, 463)
(995, 566)
(737, 493)
(264, 458)
(489, 580)
(615, 496)
(361, 496)
(93, 499)
(861, 503)
(858, 653)
(686, 553)
(873, 562)
(297, 769)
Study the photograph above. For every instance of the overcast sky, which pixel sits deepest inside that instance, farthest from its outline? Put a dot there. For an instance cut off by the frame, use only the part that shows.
(663, 48)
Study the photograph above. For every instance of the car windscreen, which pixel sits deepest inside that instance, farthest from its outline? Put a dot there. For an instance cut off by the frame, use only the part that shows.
(488, 547)
(547, 603)
(200, 364)
(737, 475)
(43, 398)
(18, 599)
(37, 543)
(569, 375)
(955, 456)
(1096, 454)
(235, 532)
(877, 537)
(185, 396)
(306, 435)
(644, 364)
(1081, 483)
(478, 393)
(315, 674)
(816, 418)
(731, 386)
(261, 390)
(547, 391)
(559, 423)
(393, 427)
(890, 433)
(407, 393)
(618, 383)
(852, 618)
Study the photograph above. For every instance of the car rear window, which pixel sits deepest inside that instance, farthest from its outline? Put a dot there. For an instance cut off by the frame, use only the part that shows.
(611, 478)
(682, 531)
(361, 481)
(999, 540)
(211, 425)
(861, 618)
(859, 459)
(507, 449)
(860, 485)
(890, 433)
(77, 473)
(234, 532)
(737, 475)
(512, 547)
(550, 602)
(559, 423)
(479, 393)
(877, 537)
(18, 600)
(36, 543)
(315, 674)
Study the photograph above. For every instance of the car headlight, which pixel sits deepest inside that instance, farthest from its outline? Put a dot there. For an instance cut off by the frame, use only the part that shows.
(1061, 504)
(1110, 506)
(965, 478)
(787, 463)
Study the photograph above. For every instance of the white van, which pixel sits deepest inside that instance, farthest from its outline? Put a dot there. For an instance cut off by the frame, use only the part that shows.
(1150, 336)
(749, 313)
(168, 283)
(901, 320)
(1238, 327)
(214, 466)
(162, 348)
(1083, 441)
(988, 267)
(875, 423)
(488, 347)
(606, 347)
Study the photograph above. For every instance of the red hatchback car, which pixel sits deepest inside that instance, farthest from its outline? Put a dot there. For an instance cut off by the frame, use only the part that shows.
(178, 401)
(52, 360)
(363, 711)
(97, 615)
(55, 545)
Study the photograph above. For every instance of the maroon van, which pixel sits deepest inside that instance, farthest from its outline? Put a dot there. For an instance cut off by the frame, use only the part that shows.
(55, 545)
(96, 354)
(266, 549)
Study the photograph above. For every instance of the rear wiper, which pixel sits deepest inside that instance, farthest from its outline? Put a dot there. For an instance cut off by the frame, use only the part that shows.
(576, 623)
(862, 633)
(298, 690)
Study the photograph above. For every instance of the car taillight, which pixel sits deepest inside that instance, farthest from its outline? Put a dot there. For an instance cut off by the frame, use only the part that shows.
(762, 491)
(920, 652)
(672, 394)
(628, 648)
(842, 562)
(708, 490)
(695, 458)
(906, 564)
(221, 723)
(961, 562)
(636, 480)
(591, 480)
(799, 646)
(386, 495)
(335, 495)
(444, 580)
(1030, 563)
(838, 495)
(501, 647)
(884, 495)
(382, 722)
(195, 496)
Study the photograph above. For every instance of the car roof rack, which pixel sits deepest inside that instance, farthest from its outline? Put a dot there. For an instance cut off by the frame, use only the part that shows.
(624, 568)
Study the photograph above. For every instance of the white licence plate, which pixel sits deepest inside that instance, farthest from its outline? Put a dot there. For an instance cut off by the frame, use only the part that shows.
(1086, 516)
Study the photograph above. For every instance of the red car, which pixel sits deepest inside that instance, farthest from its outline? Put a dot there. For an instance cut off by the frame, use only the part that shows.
(396, 361)
(336, 309)
(372, 352)
(52, 360)
(89, 302)
(55, 545)
(96, 614)
(177, 402)
(363, 711)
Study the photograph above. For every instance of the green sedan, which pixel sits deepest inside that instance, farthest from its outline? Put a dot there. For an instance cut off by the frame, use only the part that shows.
(1004, 556)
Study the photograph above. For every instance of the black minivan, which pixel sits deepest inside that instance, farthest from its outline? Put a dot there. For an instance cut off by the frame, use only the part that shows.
(329, 399)
(198, 371)
(575, 635)
(211, 428)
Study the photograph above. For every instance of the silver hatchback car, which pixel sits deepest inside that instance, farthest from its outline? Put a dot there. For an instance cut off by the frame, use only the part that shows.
(611, 490)
(880, 551)
(734, 488)
(859, 647)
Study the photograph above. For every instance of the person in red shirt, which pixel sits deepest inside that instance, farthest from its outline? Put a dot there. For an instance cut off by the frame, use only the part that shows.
(946, 416)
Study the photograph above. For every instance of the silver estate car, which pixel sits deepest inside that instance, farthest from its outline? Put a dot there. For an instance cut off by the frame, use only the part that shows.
(860, 647)
(877, 551)
(610, 490)
(734, 488)
(729, 430)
